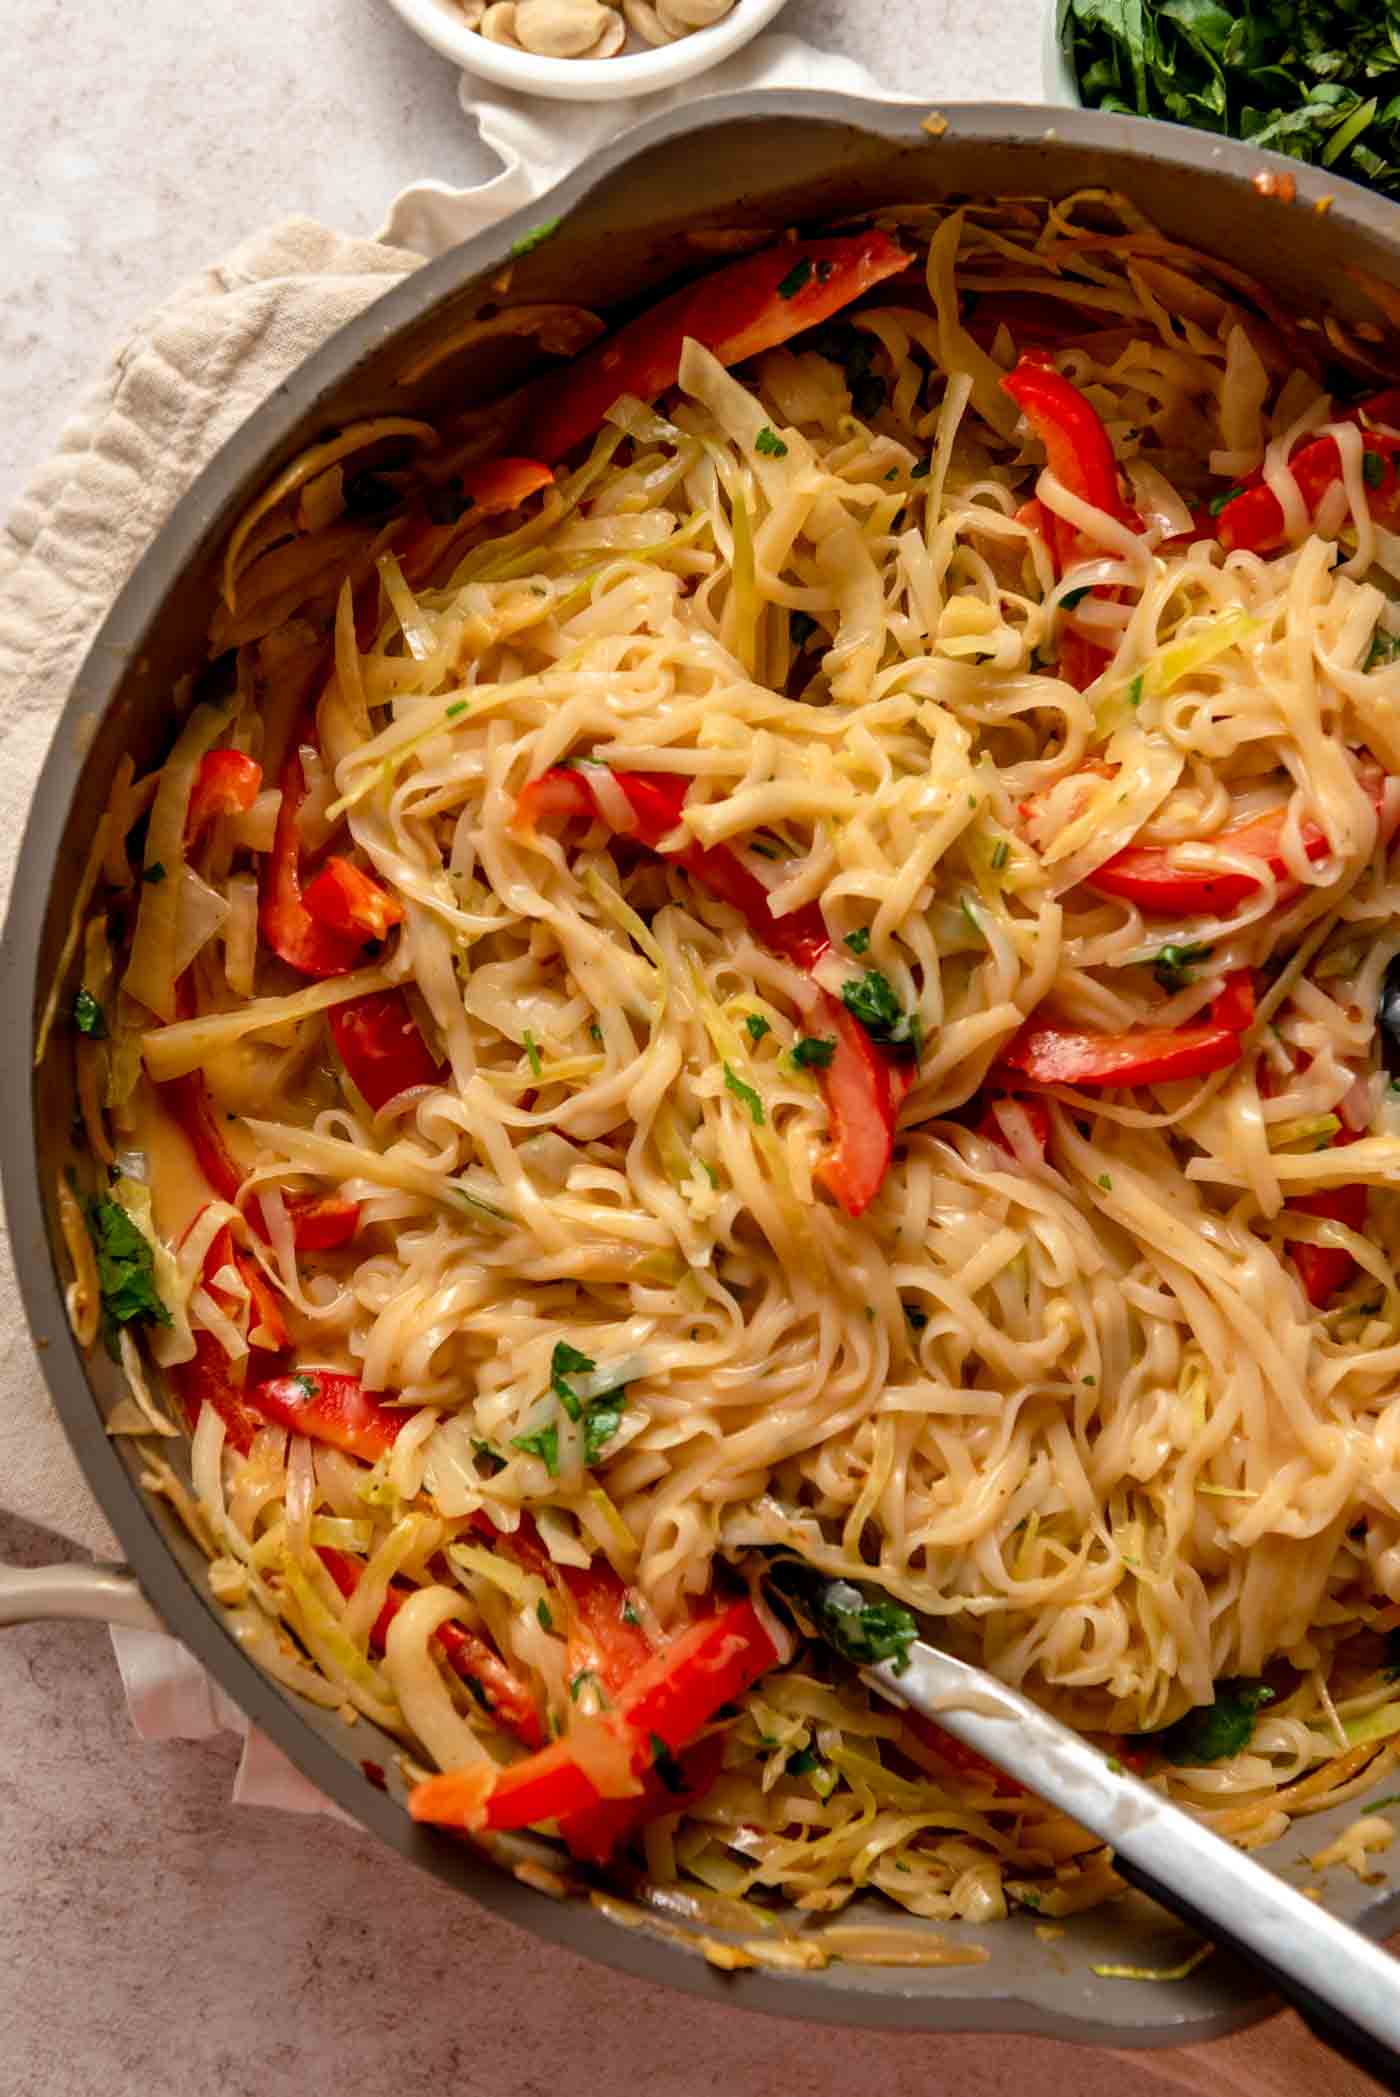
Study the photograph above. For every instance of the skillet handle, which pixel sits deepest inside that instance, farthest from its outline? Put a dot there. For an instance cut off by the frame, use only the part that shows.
(103, 1593)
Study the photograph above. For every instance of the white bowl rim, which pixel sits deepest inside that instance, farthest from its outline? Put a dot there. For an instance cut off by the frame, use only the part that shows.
(442, 25)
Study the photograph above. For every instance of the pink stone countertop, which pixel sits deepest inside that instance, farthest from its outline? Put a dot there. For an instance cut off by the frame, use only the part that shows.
(154, 1939)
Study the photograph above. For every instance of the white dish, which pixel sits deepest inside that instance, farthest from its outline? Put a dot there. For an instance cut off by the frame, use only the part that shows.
(442, 24)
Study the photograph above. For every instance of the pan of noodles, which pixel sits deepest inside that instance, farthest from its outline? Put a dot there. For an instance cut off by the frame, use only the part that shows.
(726, 889)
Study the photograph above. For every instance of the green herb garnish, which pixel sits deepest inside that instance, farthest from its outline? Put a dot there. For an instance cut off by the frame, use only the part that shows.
(797, 277)
(1314, 81)
(153, 875)
(1073, 597)
(915, 1318)
(745, 1094)
(1383, 649)
(456, 710)
(543, 1443)
(865, 1632)
(1212, 1732)
(770, 444)
(1219, 502)
(1172, 967)
(601, 1422)
(566, 1361)
(1372, 468)
(756, 1026)
(532, 1051)
(544, 1615)
(814, 1052)
(535, 238)
(858, 940)
(871, 1000)
(88, 1016)
(663, 1761)
(126, 1275)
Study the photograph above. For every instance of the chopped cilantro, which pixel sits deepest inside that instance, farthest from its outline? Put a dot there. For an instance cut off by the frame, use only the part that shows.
(629, 1612)
(566, 1361)
(1218, 502)
(871, 1000)
(712, 1176)
(1106, 1183)
(595, 1032)
(532, 1050)
(88, 1016)
(579, 1682)
(770, 444)
(1073, 597)
(1372, 468)
(1173, 965)
(893, 474)
(1212, 1732)
(543, 1443)
(922, 471)
(309, 1386)
(601, 1422)
(491, 1457)
(1135, 691)
(866, 1632)
(543, 1613)
(1383, 649)
(456, 710)
(915, 1318)
(797, 277)
(803, 1762)
(756, 1026)
(126, 1273)
(745, 1094)
(535, 238)
(801, 627)
(154, 875)
(1001, 852)
(858, 940)
(814, 1052)
(662, 1760)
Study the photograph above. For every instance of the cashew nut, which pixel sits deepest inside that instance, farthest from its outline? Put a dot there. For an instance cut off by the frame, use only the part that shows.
(561, 28)
(497, 24)
(680, 17)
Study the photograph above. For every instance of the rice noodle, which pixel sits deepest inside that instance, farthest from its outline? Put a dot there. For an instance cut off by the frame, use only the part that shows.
(1060, 1382)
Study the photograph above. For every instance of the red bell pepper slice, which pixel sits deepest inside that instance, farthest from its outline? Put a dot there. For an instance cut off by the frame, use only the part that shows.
(266, 1314)
(1254, 519)
(964, 1759)
(595, 1833)
(378, 1041)
(227, 783)
(713, 1661)
(1049, 1052)
(1078, 449)
(467, 1653)
(1325, 1269)
(863, 1087)
(1148, 876)
(735, 312)
(287, 925)
(208, 1380)
(347, 900)
(320, 1223)
(329, 1407)
(1036, 1112)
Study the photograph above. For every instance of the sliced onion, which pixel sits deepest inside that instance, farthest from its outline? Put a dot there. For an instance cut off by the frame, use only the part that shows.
(200, 912)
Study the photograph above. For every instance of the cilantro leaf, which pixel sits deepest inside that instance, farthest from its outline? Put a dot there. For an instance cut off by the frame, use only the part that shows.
(1384, 649)
(566, 1361)
(1212, 1732)
(756, 1026)
(871, 999)
(770, 444)
(532, 1053)
(543, 1443)
(665, 1763)
(1222, 501)
(814, 1053)
(797, 277)
(858, 940)
(1372, 468)
(88, 1016)
(1173, 965)
(745, 1094)
(601, 1422)
(865, 1632)
(126, 1274)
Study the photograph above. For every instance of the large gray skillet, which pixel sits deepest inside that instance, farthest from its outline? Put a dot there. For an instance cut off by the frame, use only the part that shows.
(764, 159)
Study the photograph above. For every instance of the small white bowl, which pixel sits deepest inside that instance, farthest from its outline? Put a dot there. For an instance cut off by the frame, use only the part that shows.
(443, 25)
